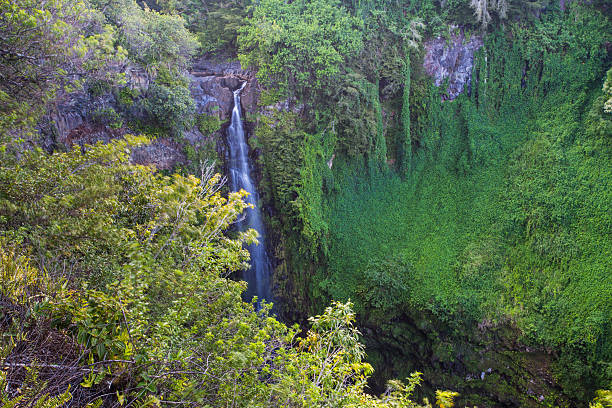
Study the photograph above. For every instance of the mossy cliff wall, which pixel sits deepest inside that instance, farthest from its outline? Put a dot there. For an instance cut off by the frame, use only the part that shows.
(490, 252)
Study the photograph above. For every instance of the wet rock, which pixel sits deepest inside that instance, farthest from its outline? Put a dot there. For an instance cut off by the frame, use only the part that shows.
(213, 83)
(211, 97)
(453, 60)
(231, 82)
(250, 96)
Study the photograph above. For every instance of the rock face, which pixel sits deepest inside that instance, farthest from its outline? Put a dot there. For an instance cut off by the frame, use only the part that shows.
(213, 83)
(164, 154)
(489, 363)
(453, 60)
(72, 119)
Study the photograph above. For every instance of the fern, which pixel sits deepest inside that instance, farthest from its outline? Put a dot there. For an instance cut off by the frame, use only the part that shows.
(32, 393)
(53, 402)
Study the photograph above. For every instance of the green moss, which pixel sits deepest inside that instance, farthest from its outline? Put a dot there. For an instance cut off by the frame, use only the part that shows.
(499, 211)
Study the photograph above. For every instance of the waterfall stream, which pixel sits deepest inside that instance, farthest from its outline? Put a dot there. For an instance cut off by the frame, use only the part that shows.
(258, 276)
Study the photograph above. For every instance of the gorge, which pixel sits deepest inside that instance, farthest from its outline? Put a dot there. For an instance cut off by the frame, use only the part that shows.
(430, 184)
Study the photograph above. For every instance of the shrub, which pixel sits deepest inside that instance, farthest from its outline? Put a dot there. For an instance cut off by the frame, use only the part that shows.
(207, 125)
(170, 107)
(107, 117)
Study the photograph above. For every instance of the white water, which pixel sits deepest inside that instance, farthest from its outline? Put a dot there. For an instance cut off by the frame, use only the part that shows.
(258, 276)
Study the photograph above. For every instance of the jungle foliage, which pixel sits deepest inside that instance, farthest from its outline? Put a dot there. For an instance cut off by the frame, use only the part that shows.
(492, 209)
(421, 219)
(114, 278)
(55, 49)
(114, 287)
(46, 50)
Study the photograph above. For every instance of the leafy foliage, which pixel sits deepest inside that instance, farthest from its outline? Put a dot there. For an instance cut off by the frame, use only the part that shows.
(113, 275)
(501, 217)
(146, 298)
(46, 48)
(299, 46)
(607, 88)
(156, 39)
(216, 24)
(208, 124)
(170, 105)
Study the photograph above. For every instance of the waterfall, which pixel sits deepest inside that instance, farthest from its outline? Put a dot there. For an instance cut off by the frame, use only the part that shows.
(258, 276)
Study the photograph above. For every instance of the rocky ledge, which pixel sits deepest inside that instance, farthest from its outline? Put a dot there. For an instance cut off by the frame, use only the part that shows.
(213, 84)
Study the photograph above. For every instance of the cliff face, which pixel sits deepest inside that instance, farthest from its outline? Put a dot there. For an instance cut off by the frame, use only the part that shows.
(213, 83)
(72, 120)
(452, 60)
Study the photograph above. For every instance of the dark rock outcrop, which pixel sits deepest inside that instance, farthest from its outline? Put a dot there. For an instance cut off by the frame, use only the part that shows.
(211, 97)
(213, 83)
(164, 154)
(71, 117)
(89, 133)
(453, 60)
(488, 363)
(69, 114)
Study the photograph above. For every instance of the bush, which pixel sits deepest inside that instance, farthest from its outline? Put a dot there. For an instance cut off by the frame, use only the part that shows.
(167, 324)
(171, 107)
(126, 96)
(98, 87)
(207, 125)
(107, 117)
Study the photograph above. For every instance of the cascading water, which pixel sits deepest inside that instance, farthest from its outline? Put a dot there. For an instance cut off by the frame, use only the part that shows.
(258, 276)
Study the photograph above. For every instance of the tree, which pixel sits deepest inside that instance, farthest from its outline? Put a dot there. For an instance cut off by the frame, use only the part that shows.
(169, 104)
(482, 7)
(299, 46)
(46, 47)
(607, 89)
(123, 274)
(155, 39)
(406, 147)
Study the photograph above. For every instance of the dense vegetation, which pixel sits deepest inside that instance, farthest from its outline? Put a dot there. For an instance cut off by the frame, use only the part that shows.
(488, 212)
(461, 236)
(124, 298)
